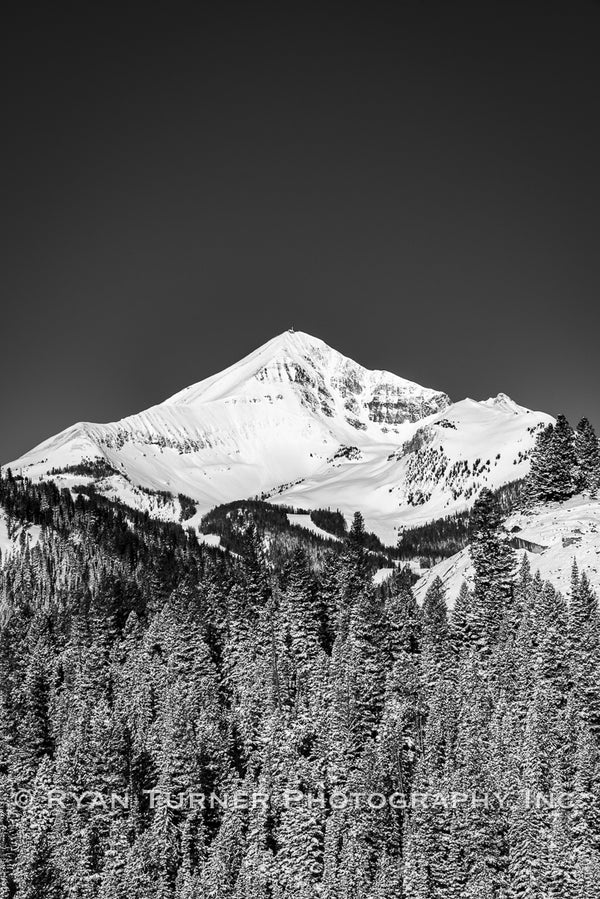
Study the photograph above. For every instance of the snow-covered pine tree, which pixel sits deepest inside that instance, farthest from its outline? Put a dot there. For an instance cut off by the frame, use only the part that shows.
(304, 619)
(494, 570)
(562, 461)
(462, 621)
(438, 673)
(36, 873)
(538, 483)
(587, 448)
(584, 648)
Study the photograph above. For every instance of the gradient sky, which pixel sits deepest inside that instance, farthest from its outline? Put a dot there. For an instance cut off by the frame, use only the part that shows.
(417, 183)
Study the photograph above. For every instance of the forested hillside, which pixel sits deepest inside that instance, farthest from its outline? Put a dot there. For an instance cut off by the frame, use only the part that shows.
(444, 537)
(231, 520)
(315, 736)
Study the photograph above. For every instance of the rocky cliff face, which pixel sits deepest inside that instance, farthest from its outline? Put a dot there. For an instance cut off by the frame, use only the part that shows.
(331, 384)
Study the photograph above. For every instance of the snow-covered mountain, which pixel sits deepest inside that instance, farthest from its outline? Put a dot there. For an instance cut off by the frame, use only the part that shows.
(299, 423)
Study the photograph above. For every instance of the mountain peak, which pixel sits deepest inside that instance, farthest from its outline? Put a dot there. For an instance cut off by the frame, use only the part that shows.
(297, 361)
(292, 342)
(503, 402)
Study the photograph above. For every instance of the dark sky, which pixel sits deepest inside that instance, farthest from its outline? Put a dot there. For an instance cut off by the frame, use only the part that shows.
(416, 183)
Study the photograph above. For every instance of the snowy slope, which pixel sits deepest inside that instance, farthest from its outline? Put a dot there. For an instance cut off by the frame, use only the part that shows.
(306, 522)
(558, 534)
(13, 538)
(440, 467)
(298, 422)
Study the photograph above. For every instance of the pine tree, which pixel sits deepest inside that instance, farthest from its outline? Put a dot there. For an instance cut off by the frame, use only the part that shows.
(367, 664)
(587, 448)
(563, 461)
(404, 710)
(584, 648)
(329, 593)
(299, 837)
(551, 654)
(36, 875)
(114, 884)
(303, 611)
(557, 468)
(34, 720)
(559, 864)
(539, 481)
(357, 530)
(462, 621)
(494, 571)
(437, 667)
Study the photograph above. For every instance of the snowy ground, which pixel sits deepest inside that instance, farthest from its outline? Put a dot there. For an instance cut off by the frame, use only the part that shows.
(209, 539)
(10, 538)
(382, 574)
(306, 522)
(568, 531)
